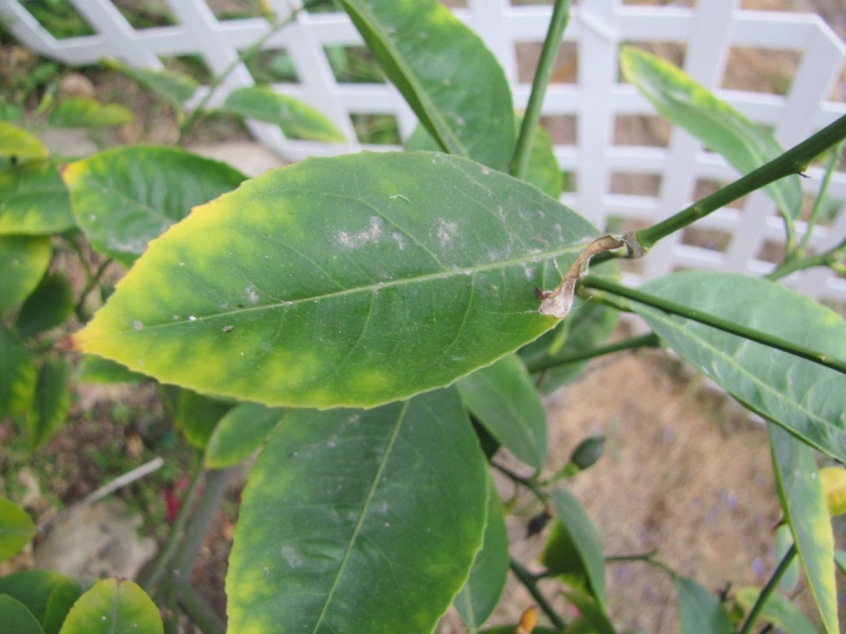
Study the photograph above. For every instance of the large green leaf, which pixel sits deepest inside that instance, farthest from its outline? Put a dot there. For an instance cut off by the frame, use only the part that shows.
(239, 433)
(446, 74)
(175, 88)
(113, 606)
(297, 119)
(23, 260)
(51, 403)
(348, 281)
(806, 511)
(19, 144)
(83, 112)
(805, 398)
(16, 529)
(48, 306)
(700, 612)
(125, 197)
(359, 521)
(32, 588)
(17, 374)
(778, 610)
(503, 398)
(34, 200)
(723, 129)
(17, 618)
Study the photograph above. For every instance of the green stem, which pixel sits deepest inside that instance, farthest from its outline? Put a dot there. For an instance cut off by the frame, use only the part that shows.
(831, 165)
(92, 283)
(529, 580)
(716, 322)
(199, 611)
(517, 478)
(828, 258)
(783, 565)
(551, 46)
(794, 161)
(649, 340)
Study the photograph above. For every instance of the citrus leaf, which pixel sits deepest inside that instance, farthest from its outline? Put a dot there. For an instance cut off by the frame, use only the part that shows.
(61, 600)
(592, 617)
(778, 610)
(32, 588)
(503, 398)
(17, 374)
(805, 398)
(23, 260)
(125, 197)
(480, 595)
(198, 415)
(239, 433)
(805, 509)
(48, 306)
(297, 119)
(16, 529)
(51, 404)
(84, 112)
(17, 618)
(700, 612)
(743, 143)
(19, 144)
(34, 200)
(113, 606)
(95, 369)
(359, 521)
(346, 281)
(172, 87)
(452, 82)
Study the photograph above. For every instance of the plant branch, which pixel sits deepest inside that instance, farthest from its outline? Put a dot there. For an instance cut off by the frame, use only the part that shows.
(768, 589)
(199, 611)
(649, 340)
(831, 165)
(517, 478)
(793, 161)
(725, 325)
(530, 582)
(831, 258)
(551, 46)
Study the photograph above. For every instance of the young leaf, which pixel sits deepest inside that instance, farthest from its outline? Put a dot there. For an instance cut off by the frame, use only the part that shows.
(197, 416)
(805, 398)
(778, 610)
(805, 509)
(125, 197)
(480, 595)
(112, 606)
(17, 618)
(446, 74)
(359, 521)
(48, 306)
(239, 433)
(50, 406)
(592, 616)
(23, 260)
(175, 88)
(505, 401)
(20, 145)
(723, 129)
(700, 612)
(16, 529)
(297, 119)
(32, 588)
(34, 200)
(348, 281)
(83, 112)
(17, 374)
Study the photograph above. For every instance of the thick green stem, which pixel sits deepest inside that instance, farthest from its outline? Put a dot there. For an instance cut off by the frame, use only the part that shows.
(551, 46)
(643, 341)
(794, 161)
(530, 582)
(199, 611)
(772, 584)
(715, 322)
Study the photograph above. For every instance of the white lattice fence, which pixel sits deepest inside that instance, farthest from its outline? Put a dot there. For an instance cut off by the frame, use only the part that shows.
(595, 101)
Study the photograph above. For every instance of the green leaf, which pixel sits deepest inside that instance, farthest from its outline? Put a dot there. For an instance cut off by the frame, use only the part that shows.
(32, 588)
(17, 618)
(34, 200)
(348, 281)
(48, 306)
(784, 542)
(51, 404)
(239, 433)
(359, 521)
(19, 144)
(113, 606)
(510, 629)
(480, 595)
(592, 617)
(198, 415)
(803, 397)
(723, 129)
(174, 88)
(577, 540)
(23, 260)
(700, 612)
(16, 529)
(297, 119)
(778, 610)
(503, 398)
(805, 509)
(17, 375)
(62, 598)
(95, 369)
(125, 197)
(840, 560)
(83, 112)
(450, 80)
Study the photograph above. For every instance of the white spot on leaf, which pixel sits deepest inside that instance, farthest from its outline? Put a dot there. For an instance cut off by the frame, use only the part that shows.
(446, 231)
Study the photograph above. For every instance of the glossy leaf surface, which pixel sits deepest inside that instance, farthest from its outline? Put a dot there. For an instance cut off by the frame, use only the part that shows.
(804, 506)
(349, 281)
(17, 374)
(48, 306)
(297, 119)
(113, 606)
(240, 432)
(125, 197)
(17, 618)
(778, 610)
(503, 398)
(16, 529)
(32, 588)
(359, 521)
(446, 74)
(34, 200)
(51, 403)
(723, 129)
(83, 112)
(173, 87)
(700, 612)
(23, 260)
(803, 397)
(19, 144)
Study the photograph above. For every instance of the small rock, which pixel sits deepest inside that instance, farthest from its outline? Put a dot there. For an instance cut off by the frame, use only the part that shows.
(76, 85)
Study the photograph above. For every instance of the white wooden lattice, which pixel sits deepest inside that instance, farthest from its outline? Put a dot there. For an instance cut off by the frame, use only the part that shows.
(597, 29)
